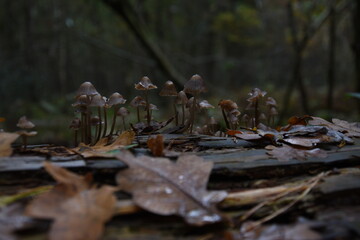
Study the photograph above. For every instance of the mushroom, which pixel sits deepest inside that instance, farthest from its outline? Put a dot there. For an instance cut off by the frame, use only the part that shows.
(136, 103)
(228, 108)
(245, 119)
(255, 95)
(115, 100)
(152, 107)
(194, 86)
(25, 124)
(145, 84)
(213, 125)
(87, 89)
(169, 90)
(75, 125)
(272, 111)
(182, 99)
(95, 122)
(99, 102)
(81, 104)
(123, 112)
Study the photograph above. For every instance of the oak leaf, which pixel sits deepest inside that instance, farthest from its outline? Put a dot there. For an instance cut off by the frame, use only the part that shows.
(164, 187)
(79, 210)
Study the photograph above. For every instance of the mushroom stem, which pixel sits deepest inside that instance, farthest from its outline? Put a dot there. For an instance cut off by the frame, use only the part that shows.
(88, 115)
(138, 113)
(75, 137)
(123, 120)
(192, 117)
(105, 122)
(83, 127)
(96, 132)
(225, 118)
(176, 113)
(183, 113)
(100, 120)
(256, 113)
(24, 140)
(148, 117)
(114, 120)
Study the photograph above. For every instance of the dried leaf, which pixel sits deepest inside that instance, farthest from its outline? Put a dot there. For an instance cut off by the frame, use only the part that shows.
(286, 153)
(156, 145)
(79, 212)
(101, 149)
(141, 128)
(349, 129)
(6, 139)
(163, 187)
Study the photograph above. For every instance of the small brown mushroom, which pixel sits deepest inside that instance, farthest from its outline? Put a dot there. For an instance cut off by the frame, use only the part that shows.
(25, 124)
(75, 125)
(99, 102)
(115, 100)
(169, 90)
(145, 84)
(137, 102)
(87, 89)
(255, 95)
(229, 110)
(182, 99)
(194, 86)
(123, 112)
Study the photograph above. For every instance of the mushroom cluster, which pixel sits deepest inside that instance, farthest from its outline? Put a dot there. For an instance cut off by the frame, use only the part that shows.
(87, 99)
(25, 125)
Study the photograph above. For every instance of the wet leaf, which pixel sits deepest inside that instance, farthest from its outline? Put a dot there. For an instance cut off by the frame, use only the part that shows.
(163, 187)
(103, 149)
(79, 211)
(12, 219)
(6, 139)
(286, 153)
(156, 145)
(349, 129)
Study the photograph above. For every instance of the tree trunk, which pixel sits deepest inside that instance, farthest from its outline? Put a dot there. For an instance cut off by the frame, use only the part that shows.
(356, 45)
(129, 14)
(331, 60)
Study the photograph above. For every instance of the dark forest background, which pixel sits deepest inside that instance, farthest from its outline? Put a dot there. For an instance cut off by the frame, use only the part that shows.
(305, 53)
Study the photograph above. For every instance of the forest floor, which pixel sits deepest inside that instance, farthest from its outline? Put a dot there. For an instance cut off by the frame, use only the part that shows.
(265, 196)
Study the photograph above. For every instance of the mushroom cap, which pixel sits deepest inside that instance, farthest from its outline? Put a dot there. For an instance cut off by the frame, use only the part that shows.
(228, 105)
(169, 89)
(205, 104)
(75, 123)
(137, 101)
(145, 84)
(81, 100)
(97, 101)
(123, 112)
(195, 85)
(245, 118)
(115, 99)
(95, 120)
(181, 98)
(271, 102)
(153, 107)
(24, 123)
(262, 116)
(26, 133)
(86, 88)
(235, 112)
(255, 94)
(273, 111)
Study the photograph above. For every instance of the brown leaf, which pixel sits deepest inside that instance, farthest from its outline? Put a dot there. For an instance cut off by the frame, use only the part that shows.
(286, 153)
(79, 212)
(163, 187)
(349, 129)
(6, 139)
(156, 145)
(101, 149)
